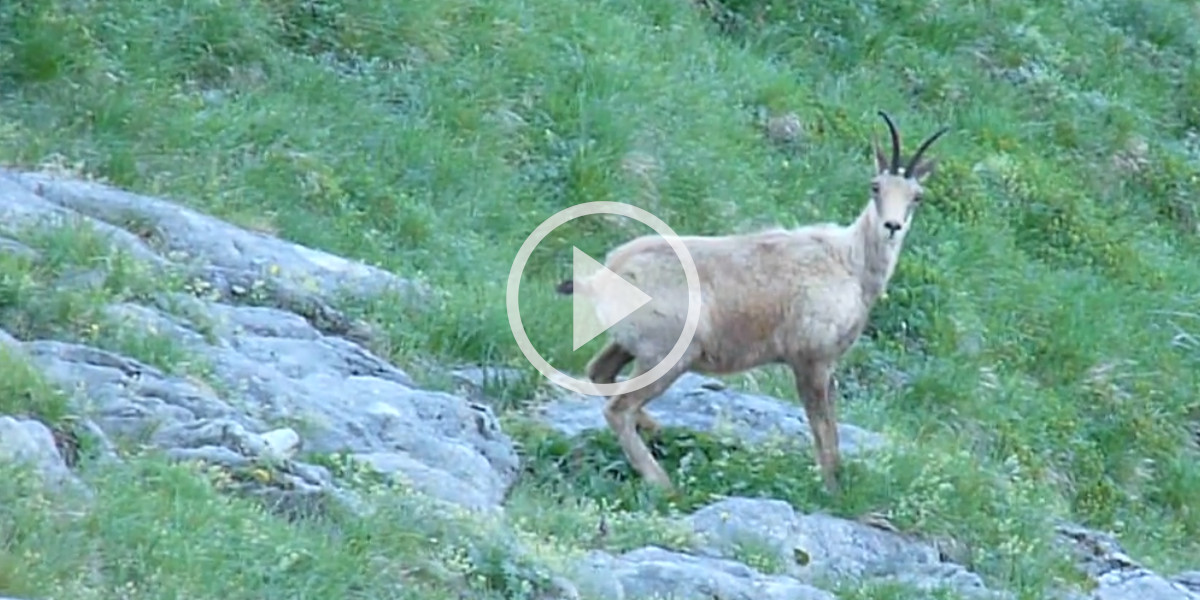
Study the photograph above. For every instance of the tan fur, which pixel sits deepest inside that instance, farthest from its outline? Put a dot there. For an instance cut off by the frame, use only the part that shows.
(798, 297)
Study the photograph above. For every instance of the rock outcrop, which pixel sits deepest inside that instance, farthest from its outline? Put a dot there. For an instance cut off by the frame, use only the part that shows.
(29, 442)
(1118, 576)
(291, 365)
(808, 552)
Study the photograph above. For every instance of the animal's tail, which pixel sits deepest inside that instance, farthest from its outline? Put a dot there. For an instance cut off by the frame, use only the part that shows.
(566, 288)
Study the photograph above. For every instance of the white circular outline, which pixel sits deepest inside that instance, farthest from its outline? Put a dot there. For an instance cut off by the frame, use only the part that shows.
(514, 287)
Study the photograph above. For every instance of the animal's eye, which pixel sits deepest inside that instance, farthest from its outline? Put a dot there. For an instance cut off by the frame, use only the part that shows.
(874, 187)
(917, 198)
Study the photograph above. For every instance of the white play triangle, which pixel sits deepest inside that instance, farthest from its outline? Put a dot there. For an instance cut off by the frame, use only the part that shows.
(609, 299)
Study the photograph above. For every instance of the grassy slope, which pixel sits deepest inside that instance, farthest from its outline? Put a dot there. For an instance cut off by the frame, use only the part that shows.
(1035, 312)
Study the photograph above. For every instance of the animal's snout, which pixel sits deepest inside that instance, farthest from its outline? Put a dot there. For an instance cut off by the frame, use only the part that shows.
(892, 226)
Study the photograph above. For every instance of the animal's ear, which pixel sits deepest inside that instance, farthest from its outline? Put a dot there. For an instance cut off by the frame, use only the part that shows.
(924, 169)
(882, 162)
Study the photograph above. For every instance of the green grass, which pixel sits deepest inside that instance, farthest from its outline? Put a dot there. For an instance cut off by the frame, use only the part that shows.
(141, 541)
(1041, 313)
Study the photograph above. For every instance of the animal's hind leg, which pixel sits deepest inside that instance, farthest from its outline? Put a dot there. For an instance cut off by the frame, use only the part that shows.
(605, 366)
(814, 385)
(621, 414)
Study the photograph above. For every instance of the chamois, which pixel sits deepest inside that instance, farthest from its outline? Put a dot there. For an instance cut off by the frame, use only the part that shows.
(798, 297)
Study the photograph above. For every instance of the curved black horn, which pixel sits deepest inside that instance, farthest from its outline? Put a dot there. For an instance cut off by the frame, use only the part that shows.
(895, 141)
(912, 163)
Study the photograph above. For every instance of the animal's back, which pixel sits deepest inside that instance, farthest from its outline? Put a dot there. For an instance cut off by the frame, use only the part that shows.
(755, 290)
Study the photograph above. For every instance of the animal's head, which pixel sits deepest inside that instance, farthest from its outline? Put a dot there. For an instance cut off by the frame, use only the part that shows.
(896, 189)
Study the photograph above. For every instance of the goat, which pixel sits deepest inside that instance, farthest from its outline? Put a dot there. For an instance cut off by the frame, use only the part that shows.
(798, 297)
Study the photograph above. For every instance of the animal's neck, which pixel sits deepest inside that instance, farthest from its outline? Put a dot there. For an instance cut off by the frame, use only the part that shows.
(876, 255)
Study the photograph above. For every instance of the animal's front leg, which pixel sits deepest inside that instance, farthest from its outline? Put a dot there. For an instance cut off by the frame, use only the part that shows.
(814, 386)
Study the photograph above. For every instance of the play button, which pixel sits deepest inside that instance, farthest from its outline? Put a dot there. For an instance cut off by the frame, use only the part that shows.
(604, 300)
(601, 298)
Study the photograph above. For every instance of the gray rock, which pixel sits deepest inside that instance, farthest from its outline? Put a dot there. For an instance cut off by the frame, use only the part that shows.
(11, 344)
(281, 444)
(274, 367)
(184, 234)
(223, 261)
(271, 368)
(816, 548)
(809, 552)
(653, 572)
(701, 403)
(29, 443)
(22, 207)
(1189, 580)
(1117, 576)
(15, 248)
